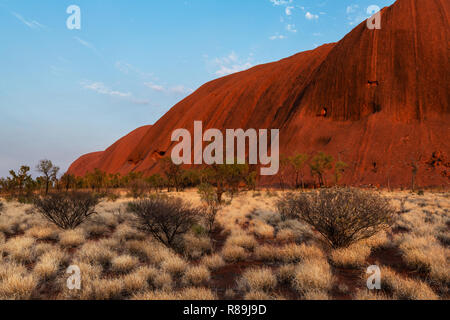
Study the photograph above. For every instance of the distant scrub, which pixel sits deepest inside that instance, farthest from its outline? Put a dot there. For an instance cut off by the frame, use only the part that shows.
(67, 210)
(342, 216)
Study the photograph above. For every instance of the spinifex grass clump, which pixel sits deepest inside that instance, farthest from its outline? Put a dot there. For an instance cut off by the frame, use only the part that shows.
(67, 210)
(342, 216)
(166, 219)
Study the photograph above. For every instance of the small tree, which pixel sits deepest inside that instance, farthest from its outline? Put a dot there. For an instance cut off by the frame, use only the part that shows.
(319, 165)
(166, 219)
(297, 163)
(49, 172)
(282, 172)
(67, 211)
(20, 180)
(156, 182)
(212, 204)
(68, 181)
(174, 174)
(414, 164)
(339, 168)
(342, 216)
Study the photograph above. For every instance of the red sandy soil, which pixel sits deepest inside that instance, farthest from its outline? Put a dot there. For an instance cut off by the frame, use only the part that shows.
(377, 99)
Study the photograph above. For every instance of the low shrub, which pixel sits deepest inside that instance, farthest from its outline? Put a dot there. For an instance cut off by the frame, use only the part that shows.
(67, 210)
(342, 216)
(166, 219)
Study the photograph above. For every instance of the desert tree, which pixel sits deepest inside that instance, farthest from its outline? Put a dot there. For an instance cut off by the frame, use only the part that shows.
(21, 180)
(49, 172)
(166, 219)
(320, 165)
(68, 181)
(339, 169)
(251, 178)
(414, 164)
(298, 162)
(225, 178)
(173, 172)
(211, 204)
(156, 182)
(96, 179)
(342, 216)
(282, 172)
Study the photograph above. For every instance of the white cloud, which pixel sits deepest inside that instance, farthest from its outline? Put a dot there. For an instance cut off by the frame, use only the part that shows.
(31, 24)
(291, 28)
(311, 16)
(289, 10)
(280, 2)
(155, 87)
(87, 45)
(231, 64)
(180, 89)
(101, 88)
(177, 90)
(355, 15)
(277, 37)
(352, 8)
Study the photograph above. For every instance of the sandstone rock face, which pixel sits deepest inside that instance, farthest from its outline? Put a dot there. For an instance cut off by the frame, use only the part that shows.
(378, 100)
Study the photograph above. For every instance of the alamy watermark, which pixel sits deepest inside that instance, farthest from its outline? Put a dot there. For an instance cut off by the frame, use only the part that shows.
(235, 147)
(74, 281)
(74, 20)
(374, 281)
(374, 22)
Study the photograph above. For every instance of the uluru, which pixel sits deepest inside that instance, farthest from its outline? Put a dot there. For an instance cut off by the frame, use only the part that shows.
(378, 99)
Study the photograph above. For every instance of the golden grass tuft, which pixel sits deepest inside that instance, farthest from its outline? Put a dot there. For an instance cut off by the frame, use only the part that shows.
(20, 249)
(124, 263)
(405, 289)
(313, 275)
(72, 238)
(185, 294)
(241, 239)
(196, 275)
(354, 256)
(213, 262)
(49, 264)
(258, 279)
(232, 253)
(174, 264)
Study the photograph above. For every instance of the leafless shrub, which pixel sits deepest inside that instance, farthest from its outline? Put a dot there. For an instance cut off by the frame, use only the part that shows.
(166, 219)
(342, 216)
(67, 211)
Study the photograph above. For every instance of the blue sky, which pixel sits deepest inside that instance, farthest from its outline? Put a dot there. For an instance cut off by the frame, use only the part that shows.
(66, 92)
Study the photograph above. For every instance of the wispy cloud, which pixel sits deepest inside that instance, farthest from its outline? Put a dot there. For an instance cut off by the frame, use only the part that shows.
(127, 68)
(277, 37)
(87, 45)
(33, 24)
(311, 16)
(231, 63)
(355, 14)
(176, 90)
(101, 88)
(291, 28)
